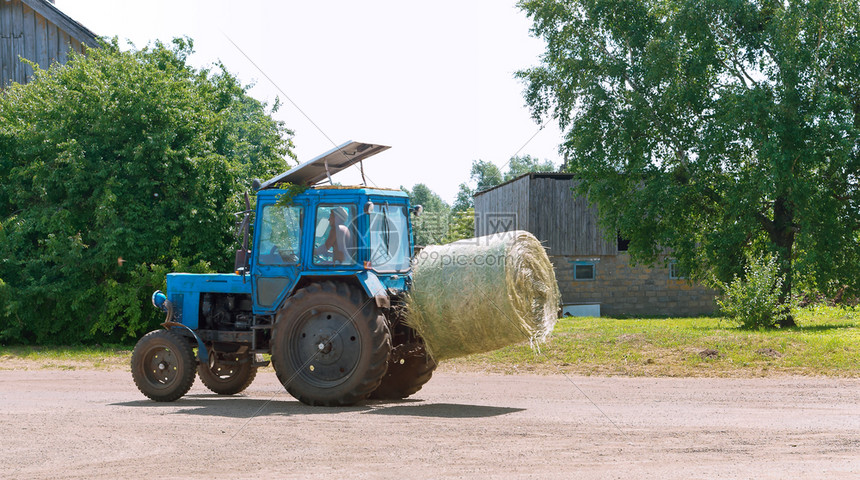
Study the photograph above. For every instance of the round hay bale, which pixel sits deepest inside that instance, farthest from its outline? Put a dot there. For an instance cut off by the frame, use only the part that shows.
(481, 294)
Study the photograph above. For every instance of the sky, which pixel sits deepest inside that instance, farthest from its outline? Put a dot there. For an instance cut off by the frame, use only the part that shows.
(433, 80)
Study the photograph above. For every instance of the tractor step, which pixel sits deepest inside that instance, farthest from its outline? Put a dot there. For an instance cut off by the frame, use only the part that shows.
(258, 360)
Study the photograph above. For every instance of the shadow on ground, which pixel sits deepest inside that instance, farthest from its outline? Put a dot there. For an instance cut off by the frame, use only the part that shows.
(238, 407)
(444, 410)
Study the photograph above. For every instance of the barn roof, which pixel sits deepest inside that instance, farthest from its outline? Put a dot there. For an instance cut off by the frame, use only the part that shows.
(532, 175)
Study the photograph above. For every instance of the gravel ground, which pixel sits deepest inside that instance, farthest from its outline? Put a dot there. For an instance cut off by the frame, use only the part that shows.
(96, 425)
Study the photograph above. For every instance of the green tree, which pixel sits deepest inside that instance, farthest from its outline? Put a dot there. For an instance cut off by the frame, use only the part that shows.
(462, 225)
(485, 175)
(116, 169)
(721, 129)
(520, 165)
(430, 227)
(464, 199)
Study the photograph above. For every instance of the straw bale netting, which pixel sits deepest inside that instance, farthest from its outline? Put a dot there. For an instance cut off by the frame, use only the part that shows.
(481, 294)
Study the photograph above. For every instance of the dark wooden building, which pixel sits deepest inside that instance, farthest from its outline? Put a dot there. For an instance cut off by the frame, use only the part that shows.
(38, 31)
(594, 272)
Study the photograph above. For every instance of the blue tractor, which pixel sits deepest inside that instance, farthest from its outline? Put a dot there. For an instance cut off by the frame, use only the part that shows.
(320, 287)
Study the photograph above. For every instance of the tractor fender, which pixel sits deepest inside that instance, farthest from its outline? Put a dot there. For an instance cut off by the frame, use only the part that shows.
(202, 352)
(374, 288)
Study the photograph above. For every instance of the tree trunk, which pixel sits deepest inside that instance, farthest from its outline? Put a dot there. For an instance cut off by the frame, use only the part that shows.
(782, 235)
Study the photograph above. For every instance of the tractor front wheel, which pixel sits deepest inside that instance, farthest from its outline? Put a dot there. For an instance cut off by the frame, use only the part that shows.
(162, 365)
(330, 345)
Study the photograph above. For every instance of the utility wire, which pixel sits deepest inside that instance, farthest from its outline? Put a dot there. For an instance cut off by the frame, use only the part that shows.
(309, 119)
(540, 128)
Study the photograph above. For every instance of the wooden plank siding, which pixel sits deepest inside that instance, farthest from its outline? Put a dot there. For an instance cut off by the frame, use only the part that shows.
(39, 32)
(29, 43)
(566, 222)
(545, 205)
(502, 209)
(41, 54)
(7, 33)
(17, 29)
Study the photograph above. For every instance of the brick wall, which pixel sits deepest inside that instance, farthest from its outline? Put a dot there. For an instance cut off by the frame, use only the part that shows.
(622, 289)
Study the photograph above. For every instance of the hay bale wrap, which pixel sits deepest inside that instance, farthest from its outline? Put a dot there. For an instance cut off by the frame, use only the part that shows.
(482, 294)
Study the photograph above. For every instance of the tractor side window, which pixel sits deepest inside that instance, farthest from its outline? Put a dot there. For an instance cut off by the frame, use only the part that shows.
(335, 236)
(280, 235)
(389, 239)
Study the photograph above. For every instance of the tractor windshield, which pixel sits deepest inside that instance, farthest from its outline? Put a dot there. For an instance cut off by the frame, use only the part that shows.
(389, 239)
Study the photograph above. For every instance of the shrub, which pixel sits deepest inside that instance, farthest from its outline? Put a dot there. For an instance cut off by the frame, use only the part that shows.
(114, 169)
(753, 301)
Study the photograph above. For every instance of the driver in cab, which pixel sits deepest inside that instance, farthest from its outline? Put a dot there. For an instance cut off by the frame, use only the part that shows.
(339, 238)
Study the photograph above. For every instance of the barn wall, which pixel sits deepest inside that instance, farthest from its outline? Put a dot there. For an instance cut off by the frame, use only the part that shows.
(566, 222)
(24, 32)
(545, 205)
(503, 208)
(622, 289)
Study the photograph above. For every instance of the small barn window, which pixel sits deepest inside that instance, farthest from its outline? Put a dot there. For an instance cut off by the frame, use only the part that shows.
(583, 271)
(676, 272)
(623, 244)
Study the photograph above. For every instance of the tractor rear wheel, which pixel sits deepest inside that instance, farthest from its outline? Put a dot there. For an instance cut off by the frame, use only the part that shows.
(227, 373)
(409, 369)
(162, 365)
(330, 345)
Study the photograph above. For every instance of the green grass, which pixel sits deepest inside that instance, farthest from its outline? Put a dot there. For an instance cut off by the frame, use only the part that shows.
(826, 343)
(63, 358)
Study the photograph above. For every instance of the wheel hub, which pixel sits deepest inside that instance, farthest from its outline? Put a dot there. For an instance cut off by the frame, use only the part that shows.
(325, 346)
(162, 366)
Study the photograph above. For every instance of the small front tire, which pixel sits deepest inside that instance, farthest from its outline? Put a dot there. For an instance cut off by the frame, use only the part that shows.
(163, 366)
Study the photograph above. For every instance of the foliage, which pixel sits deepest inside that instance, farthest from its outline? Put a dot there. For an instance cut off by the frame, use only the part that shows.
(485, 175)
(464, 199)
(520, 165)
(115, 169)
(754, 300)
(291, 191)
(462, 226)
(431, 226)
(713, 128)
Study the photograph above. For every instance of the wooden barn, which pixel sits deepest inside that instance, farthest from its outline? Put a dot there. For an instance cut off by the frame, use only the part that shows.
(593, 270)
(38, 31)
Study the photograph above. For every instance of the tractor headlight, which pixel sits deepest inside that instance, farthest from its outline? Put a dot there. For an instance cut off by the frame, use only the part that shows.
(159, 300)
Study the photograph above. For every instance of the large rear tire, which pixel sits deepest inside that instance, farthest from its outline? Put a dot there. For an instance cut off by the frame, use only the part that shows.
(330, 345)
(408, 370)
(163, 365)
(227, 373)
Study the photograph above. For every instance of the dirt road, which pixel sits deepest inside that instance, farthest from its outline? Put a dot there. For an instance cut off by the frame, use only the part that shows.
(96, 425)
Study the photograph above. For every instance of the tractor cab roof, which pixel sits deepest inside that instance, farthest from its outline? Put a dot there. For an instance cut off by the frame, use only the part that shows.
(324, 166)
(334, 192)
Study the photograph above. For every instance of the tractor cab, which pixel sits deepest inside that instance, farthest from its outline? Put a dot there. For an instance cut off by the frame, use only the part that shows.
(331, 232)
(319, 286)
